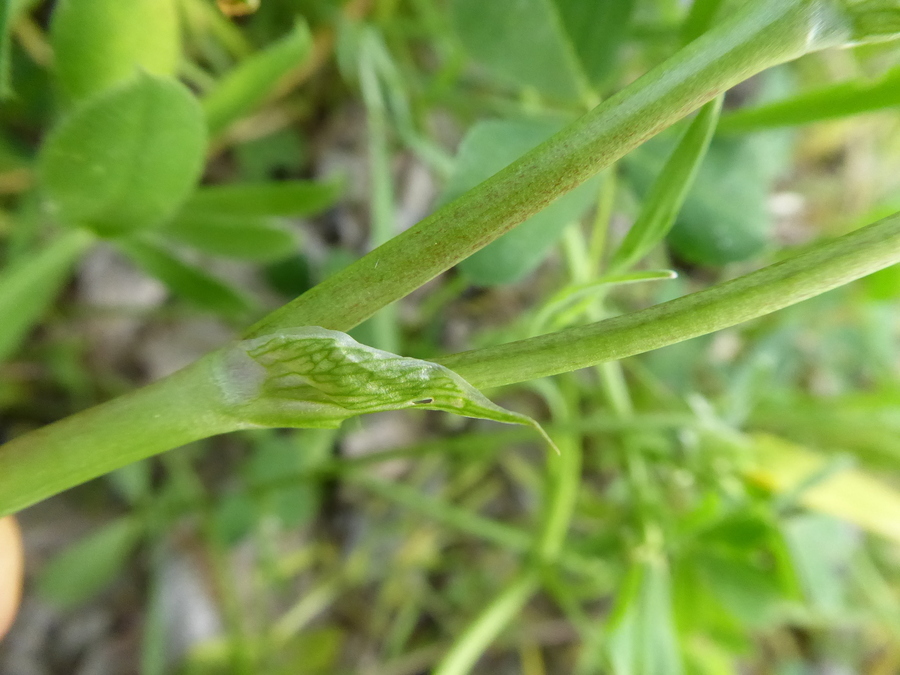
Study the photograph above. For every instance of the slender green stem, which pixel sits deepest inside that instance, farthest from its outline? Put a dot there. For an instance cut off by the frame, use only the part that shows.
(382, 220)
(146, 422)
(815, 271)
(764, 33)
(481, 632)
(563, 476)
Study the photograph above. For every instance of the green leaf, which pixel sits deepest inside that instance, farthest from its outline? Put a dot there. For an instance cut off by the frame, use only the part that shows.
(487, 148)
(285, 152)
(524, 45)
(747, 589)
(101, 43)
(699, 19)
(133, 483)
(705, 656)
(85, 568)
(125, 159)
(872, 20)
(311, 377)
(668, 192)
(723, 218)
(234, 517)
(597, 30)
(188, 281)
(248, 85)
(291, 277)
(883, 285)
(643, 639)
(245, 237)
(31, 284)
(6, 20)
(277, 471)
(836, 100)
(822, 550)
(283, 198)
(236, 220)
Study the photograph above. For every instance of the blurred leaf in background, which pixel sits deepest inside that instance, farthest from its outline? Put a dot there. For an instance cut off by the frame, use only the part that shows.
(125, 160)
(101, 43)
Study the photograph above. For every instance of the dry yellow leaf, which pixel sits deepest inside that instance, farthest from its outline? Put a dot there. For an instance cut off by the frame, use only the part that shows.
(847, 493)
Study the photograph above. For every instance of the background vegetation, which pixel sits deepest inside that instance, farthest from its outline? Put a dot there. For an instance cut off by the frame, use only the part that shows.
(727, 504)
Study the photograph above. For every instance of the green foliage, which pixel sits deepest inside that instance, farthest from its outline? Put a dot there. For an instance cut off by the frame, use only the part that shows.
(724, 217)
(667, 194)
(6, 21)
(245, 87)
(102, 43)
(126, 159)
(297, 502)
(283, 198)
(91, 564)
(190, 281)
(526, 47)
(643, 617)
(28, 287)
(233, 236)
(597, 31)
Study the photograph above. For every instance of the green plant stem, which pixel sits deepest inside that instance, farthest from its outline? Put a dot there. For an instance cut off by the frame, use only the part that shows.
(805, 275)
(382, 220)
(563, 474)
(164, 415)
(496, 616)
(763, 34)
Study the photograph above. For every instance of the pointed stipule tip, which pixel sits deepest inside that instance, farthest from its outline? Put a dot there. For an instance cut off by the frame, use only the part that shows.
(546, 436)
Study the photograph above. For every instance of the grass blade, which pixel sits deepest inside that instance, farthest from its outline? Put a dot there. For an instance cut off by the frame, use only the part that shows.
(248, 85)
(244, 237)
(6, 19)
(669, 191)
(834, 101)
(30, 285)
(191, 282)
(282, 198)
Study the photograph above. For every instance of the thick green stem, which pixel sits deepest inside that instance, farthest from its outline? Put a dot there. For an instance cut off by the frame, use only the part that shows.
(146, 422)
(815, 271)
(764, 33)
